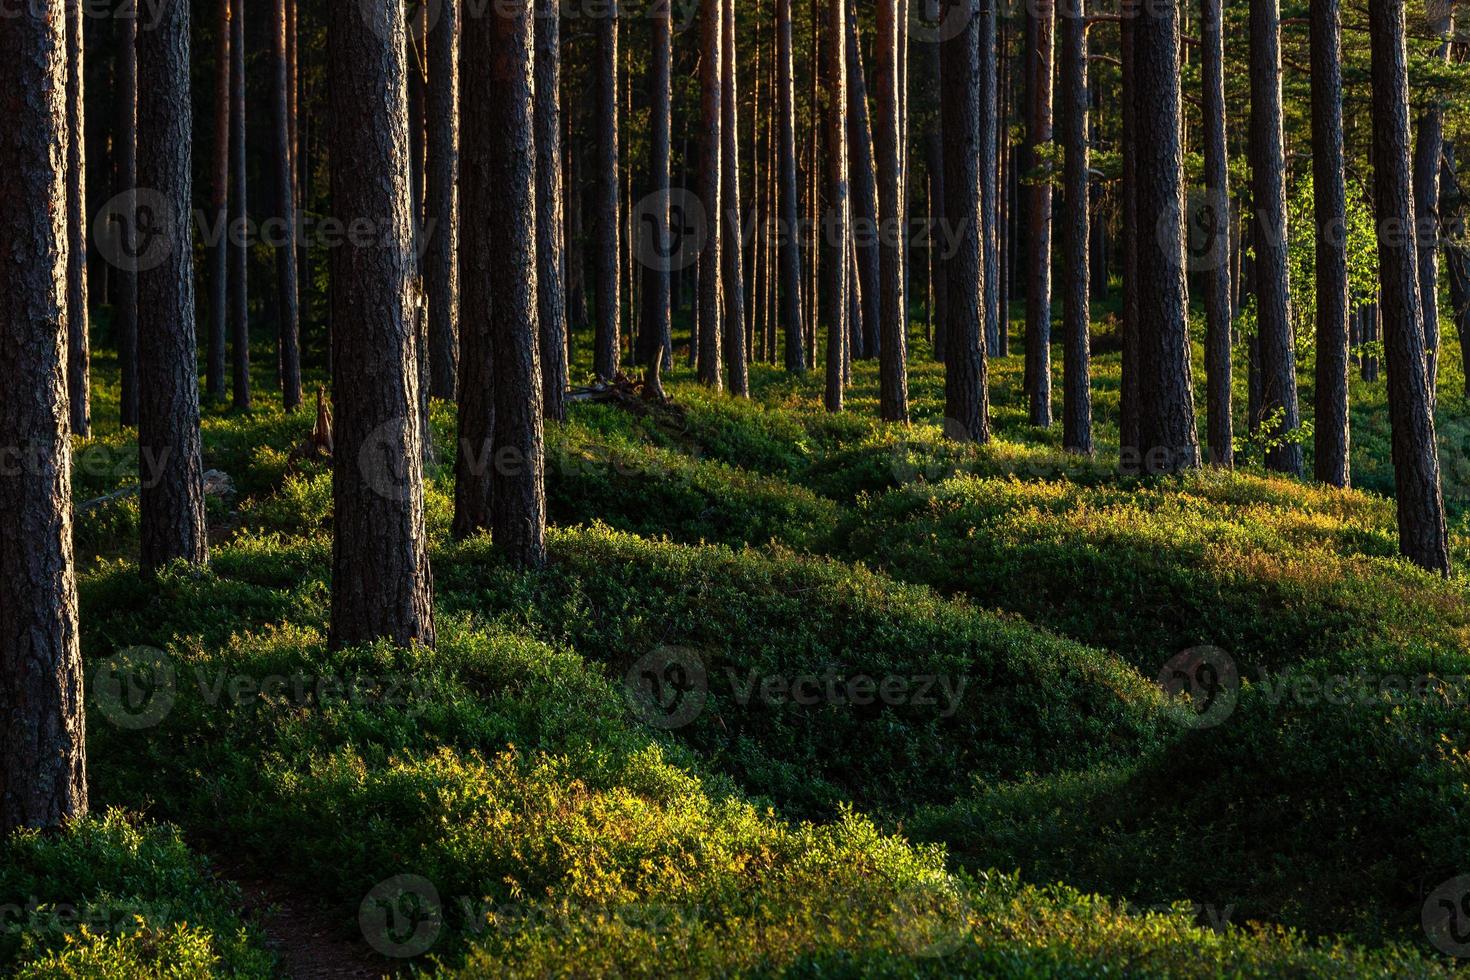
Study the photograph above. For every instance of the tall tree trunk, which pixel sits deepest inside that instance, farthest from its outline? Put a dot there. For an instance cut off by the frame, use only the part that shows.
(1273, 306)
(731, 253)
(711, 294)
(43, 761)
(78, 346)
(1219, 426)
(219, 249)
(837, 226)
(441, 204)
(239, 301)
(381, 583)
(1428, 148)
(125, 152)
(893, 395)
(1038, 289)
(659, 247)
(575, 252)
(551, 303)
(938, 191)
(1166, 417)
(965, 390)
(288, 310)
(1130, 395)
(864, 187)
(1075, 234)
(170, 465)
(1331, 460)
(788, 232)
(1457, 261)
(1422, 535)
(606, 351)
(989, 188)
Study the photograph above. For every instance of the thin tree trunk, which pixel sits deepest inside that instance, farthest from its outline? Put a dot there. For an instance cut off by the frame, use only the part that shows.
(711, 294)
(288, 311)
(1420, 503)
(1130, 396)
(1219, 425)
(965, 390)
(731, 252)
(1038, 289)
(441, 206)
(788, 232)
(575, 246)
(78, 346)
(1166, 417)
(893, 311)
(239, 301)
(938, 190)
(550, 241)
(864, 186)
(125, 153)
(1331, 459)
(658, 252)
(834, 234)
(1457, 262)
(607, 343)
(1075, 233)
(219, 249)
(381, 583)
(1273, 306)
(989, 165)
(43, 760)
(1428, 148)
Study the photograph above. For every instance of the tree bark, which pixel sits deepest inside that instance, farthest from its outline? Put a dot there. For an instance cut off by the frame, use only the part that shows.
(864, 187)
(937, 190)
(1428, 148)
(834, 235)
(893, 400)
(219, 250)
(1273, 305)
(43, 779)
(381, 583)
(1166, 414)
(125, 153)
(965, 390)
(1076, 233)
(239, 246)
(288, 310)
(989, 165)
(1420, 504)
(1219, 426)
(78, 345)
(731, 250)
(170, 464)
(606, 350)
(656, 336)
(550, 242)
(711, 293)
(1130, 395)
(788, 231)
(1038, 290)
(441, 204)
(1331, 459)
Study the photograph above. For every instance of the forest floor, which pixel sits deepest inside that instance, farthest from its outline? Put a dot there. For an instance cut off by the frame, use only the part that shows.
(797, 693)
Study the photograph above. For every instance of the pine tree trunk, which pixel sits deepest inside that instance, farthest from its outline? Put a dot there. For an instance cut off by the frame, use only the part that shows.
(788, 229)
(441, 202)
(893, 400)
(219, 249)
(1166, 413)
(965, 395)
(78, 345)
(239, 301)
(937, 190)
(606, 351)
(125, 142)
(711, 293)
(1268, 178)
(288, 311)
(731, 250)
(1331, 459)
(575, 244)
(1038, 288)
(864, 187)
(838, 223)
(1219, 425)
(550, 243)
(170, 465)
(1420, 504)
(1075, 233)
(381, 583)
(659, 248)
(989, 188)
(43, 762)
(1130, 397)
(1428, 148)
